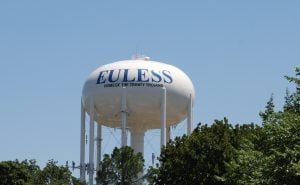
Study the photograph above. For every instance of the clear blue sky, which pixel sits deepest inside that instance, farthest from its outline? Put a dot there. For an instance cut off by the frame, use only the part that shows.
(235, 52)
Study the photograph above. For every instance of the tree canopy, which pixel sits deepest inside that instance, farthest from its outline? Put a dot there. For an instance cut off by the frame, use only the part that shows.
(27, 172)
(121, 167)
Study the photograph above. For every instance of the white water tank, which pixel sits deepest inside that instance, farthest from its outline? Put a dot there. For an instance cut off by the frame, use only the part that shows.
(143, 80)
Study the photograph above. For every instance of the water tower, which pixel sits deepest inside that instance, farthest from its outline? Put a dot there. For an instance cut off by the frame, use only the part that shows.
(137, 94)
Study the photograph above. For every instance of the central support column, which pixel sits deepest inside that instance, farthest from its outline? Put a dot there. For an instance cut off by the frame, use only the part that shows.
(168, 133)
(82, 144)
(163, 140)
(124, 117)
(190, 116)
(91, 152)
(99, 140)
(137, 141)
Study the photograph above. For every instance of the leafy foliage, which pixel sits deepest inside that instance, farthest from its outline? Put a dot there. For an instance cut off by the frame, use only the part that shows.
(272, 157)
(269, 109)
(28, 173)
(200, 158)
(17, 173)
(121, 167)
(292, 103)
(53, 174)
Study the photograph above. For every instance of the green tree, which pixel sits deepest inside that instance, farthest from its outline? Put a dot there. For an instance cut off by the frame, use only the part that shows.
(292, 103)
(53, 174)
(17, 173)
(247, 167)
(200, 158)
(281, 140)
(272, 156)
(28, 172)
(269, 109)
(282, 147)
(121, 167)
